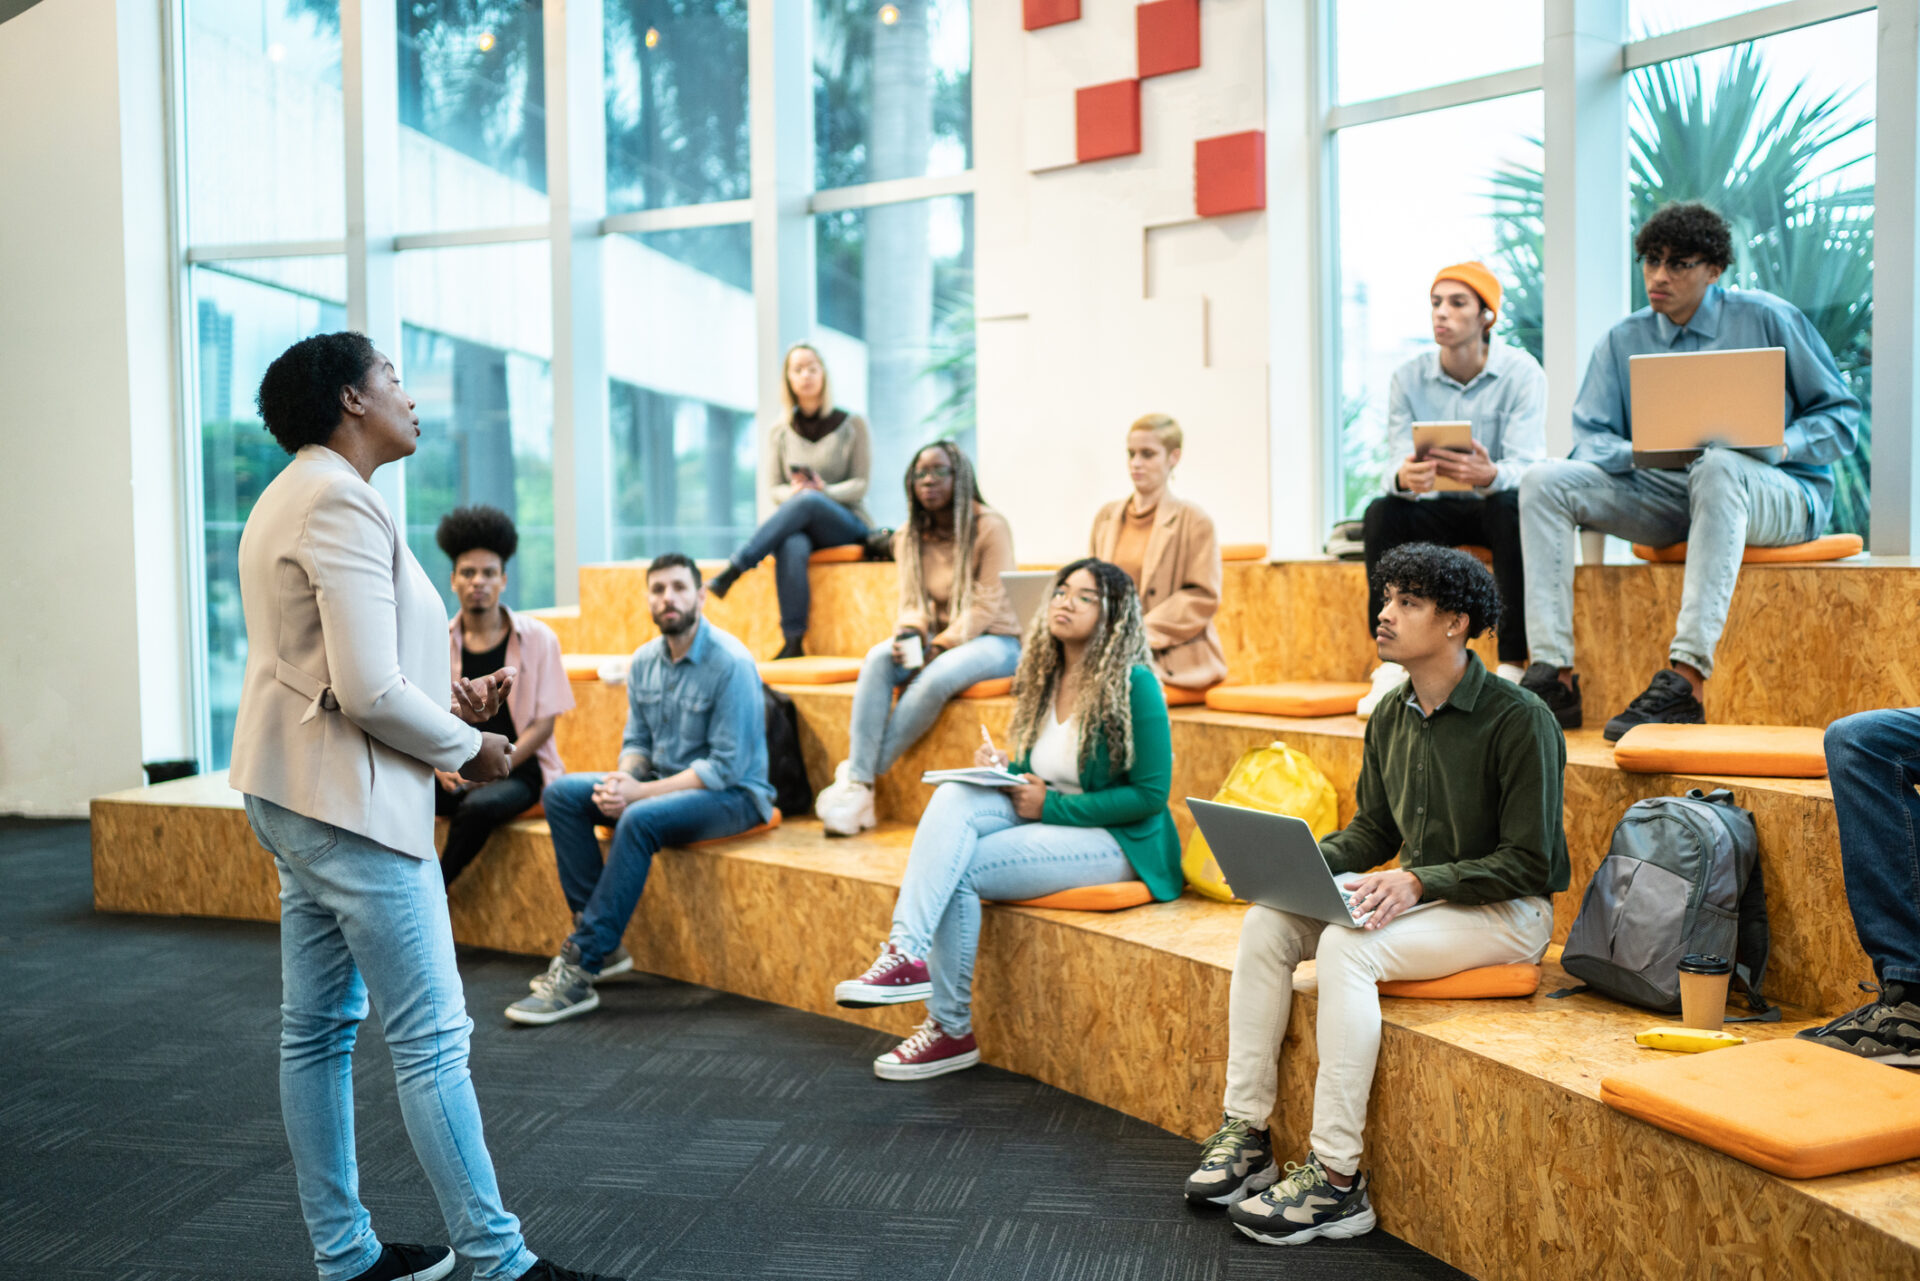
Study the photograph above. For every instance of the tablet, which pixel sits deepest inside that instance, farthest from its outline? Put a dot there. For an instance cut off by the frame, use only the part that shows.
(1431, 436)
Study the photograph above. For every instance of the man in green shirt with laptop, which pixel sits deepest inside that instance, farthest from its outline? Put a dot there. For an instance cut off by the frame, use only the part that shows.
(1461, 778)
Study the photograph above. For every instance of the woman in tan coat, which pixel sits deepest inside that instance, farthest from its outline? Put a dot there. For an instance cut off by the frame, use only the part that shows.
(1167, 546)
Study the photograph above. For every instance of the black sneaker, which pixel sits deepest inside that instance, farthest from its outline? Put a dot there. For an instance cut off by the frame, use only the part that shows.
(410, 1263)
(1303, 1206)
(720, 584)
(1886, 1030)
(1543, 682)
(794, 647)
(1234, 1164)
(545, 1271)
(1668, 700)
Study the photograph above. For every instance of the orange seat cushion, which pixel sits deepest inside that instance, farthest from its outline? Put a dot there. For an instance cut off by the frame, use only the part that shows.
(1756, 751)
(1826, 547)
(989, 689)
(1178, 696)
(1488, 980)
(586, 667)
(814, 669)
(1290, 698)
(1093, 898)
(1794, 1108)
(1243, 551)
(536, 810)
(838, 555)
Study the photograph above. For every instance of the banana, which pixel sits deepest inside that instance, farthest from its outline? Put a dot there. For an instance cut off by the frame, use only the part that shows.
(1688, 1040)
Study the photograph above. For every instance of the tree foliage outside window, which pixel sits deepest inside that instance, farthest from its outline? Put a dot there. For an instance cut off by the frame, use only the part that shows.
(676, 90)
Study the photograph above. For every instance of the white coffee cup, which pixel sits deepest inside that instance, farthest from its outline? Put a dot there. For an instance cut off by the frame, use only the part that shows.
(913, 652)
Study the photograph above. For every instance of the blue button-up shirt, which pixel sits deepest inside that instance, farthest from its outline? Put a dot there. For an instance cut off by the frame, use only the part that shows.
(1506, 403)
(1823, 417)
(703, 712)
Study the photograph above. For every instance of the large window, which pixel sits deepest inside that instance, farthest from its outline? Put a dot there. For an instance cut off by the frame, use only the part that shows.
(892, 90)
(676, 103)
(1393, 46)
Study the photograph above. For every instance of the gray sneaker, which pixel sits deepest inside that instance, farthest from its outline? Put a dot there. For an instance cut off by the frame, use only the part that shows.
(1305, 1205)
(619, 961)
(564, 991)
(1234, 1164)
(1886, 1030)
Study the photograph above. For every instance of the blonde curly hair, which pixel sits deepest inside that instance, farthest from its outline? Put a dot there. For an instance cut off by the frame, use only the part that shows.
(1104, 704)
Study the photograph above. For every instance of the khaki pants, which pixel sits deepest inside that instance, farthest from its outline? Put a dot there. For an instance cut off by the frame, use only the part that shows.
(1428, 944)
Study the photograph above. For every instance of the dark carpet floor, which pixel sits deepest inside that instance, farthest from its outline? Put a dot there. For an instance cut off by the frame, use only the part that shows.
(678, 1133)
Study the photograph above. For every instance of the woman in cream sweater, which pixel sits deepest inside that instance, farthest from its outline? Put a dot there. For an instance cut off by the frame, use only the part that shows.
(814, 467)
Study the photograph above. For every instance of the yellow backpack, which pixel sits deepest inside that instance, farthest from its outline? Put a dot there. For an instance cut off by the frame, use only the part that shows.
(1274, 778)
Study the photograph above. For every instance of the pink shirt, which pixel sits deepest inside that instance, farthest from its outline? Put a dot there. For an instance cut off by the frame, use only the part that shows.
(540, 686)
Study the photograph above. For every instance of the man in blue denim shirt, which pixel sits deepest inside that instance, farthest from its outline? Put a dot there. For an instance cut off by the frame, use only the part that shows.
(1725, 501)
(693, 767)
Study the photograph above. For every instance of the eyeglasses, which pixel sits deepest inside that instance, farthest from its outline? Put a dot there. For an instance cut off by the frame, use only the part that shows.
(1065, 593)
(939, 471)
(1674, 265)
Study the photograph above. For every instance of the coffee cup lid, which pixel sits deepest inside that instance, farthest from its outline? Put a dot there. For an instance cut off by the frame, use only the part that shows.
(1701, 963)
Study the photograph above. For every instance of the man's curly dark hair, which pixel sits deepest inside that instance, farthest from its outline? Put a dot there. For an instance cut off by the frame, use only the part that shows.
(479, 526)
(1455, 582)
(1688, 230)
(299, 398)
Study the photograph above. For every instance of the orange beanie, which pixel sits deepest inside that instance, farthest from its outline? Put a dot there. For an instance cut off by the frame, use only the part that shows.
(1477, 278)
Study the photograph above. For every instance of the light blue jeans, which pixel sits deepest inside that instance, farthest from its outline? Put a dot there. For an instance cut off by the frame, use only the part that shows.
(970, 845)
(882, 730)
(1723, 503)
(359, 920)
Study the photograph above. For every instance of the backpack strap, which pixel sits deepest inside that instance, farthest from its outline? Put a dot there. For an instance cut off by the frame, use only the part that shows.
(1750, 953)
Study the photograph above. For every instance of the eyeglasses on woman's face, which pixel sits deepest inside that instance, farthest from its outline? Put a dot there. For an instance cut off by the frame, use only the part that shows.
(1075, 598)
(935, 471)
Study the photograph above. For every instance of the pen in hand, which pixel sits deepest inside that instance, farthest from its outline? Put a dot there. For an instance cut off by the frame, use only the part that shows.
(997, 760)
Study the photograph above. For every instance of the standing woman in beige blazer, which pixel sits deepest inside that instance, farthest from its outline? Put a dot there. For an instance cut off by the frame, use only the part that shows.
(1168, 547)
(343, 719)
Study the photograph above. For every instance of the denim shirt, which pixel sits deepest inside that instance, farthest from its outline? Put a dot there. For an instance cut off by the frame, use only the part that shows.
(1823, 417)
(703, 712)
(1506, 403)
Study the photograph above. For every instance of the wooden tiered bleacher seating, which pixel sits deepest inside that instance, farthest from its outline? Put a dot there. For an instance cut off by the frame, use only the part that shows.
(1519, 1168)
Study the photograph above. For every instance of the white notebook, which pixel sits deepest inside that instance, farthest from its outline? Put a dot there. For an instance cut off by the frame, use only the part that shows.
(977, 775)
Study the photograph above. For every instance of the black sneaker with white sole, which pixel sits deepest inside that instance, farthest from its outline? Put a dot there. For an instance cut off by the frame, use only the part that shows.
(1542, 680)
(1667, 700)
(1303, 1206)
(542, 1270)
(410, 1263)
(1234, 1164)
(1886, 1030)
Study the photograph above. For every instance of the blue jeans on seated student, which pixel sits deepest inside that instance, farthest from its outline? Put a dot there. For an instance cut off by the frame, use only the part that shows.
(604, 894)
(970, 845)
(359, 920)
(1723, 503)
(1873, 762)
(882, 730)
(800, 526)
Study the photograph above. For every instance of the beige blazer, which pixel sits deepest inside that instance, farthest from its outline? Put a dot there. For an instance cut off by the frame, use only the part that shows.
(343, 709)
(1179, 589)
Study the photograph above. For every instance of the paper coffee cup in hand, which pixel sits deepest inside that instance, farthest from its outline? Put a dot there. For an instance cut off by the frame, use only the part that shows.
(913, 651)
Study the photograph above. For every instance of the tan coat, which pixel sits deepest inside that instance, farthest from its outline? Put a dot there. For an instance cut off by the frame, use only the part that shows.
(1179, 589)
(989, 611)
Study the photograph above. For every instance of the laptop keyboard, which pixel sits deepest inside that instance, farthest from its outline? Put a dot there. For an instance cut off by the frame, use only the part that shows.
(1346, 896)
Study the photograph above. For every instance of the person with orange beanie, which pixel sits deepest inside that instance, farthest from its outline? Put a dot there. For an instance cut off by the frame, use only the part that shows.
(1454, 497)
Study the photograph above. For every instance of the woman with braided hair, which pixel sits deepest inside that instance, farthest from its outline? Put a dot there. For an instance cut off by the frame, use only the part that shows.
(1090, 736)
(956, 628)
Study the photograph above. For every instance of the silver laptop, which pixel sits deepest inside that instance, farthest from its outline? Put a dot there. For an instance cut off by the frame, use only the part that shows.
(1686, 400)
(1273, 860)
(1027, 591)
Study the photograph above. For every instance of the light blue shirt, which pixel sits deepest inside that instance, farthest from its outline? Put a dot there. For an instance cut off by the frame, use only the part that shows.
(1823, 417)
(1506, 403)
(704, 713)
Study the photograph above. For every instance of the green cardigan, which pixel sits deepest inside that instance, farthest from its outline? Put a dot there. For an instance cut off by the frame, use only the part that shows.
(1133, 806)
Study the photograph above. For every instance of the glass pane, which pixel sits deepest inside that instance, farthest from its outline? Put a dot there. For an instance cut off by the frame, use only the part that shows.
(896, 330)
(473, 126)
(1384, 47)
(1418, 194)
(681, 390)
(892, 90)
(676, 102)
(264, 121)
(477, 336)
(1657, 17)
(1778, 136)
(239, 327)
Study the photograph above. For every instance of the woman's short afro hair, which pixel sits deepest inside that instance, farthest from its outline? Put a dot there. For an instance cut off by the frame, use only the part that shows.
(299, 398)
(1686, 231)
(1455, 582)
(479, 526)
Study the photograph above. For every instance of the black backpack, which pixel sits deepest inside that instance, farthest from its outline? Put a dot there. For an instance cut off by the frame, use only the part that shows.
(1682, 875)
(786, 767)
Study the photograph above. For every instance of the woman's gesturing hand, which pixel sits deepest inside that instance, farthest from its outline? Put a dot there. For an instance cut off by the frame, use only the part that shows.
(476, 701)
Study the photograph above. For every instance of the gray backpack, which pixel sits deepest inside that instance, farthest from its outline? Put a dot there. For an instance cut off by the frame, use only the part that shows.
(1681, 876)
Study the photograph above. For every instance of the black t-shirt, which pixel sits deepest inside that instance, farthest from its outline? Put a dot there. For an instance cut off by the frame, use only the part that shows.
(473, 666)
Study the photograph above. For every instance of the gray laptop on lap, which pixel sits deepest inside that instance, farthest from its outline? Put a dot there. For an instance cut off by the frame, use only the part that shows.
(1272, 860)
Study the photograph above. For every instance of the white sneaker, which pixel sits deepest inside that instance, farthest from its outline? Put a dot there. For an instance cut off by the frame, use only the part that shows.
(853, 815)
(1386, 678)
(834, 794)
(1510, 672)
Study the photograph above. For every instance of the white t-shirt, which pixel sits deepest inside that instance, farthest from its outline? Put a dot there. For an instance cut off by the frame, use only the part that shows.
(1056, 754)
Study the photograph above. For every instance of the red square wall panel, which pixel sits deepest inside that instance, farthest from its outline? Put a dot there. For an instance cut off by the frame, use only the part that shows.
(1168, 36)
(1106, 121)
(1230, 174)
(1036, 14)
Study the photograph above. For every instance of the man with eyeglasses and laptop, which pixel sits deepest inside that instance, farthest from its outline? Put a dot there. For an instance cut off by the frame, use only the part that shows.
(1720, 503)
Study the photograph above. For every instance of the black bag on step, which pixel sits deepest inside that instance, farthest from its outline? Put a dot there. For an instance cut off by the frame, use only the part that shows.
(786, 767)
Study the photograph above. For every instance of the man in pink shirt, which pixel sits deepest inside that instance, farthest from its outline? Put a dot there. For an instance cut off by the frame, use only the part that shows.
(485, 636)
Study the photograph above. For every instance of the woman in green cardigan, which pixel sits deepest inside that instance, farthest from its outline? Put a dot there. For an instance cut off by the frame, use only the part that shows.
(1090, 737)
